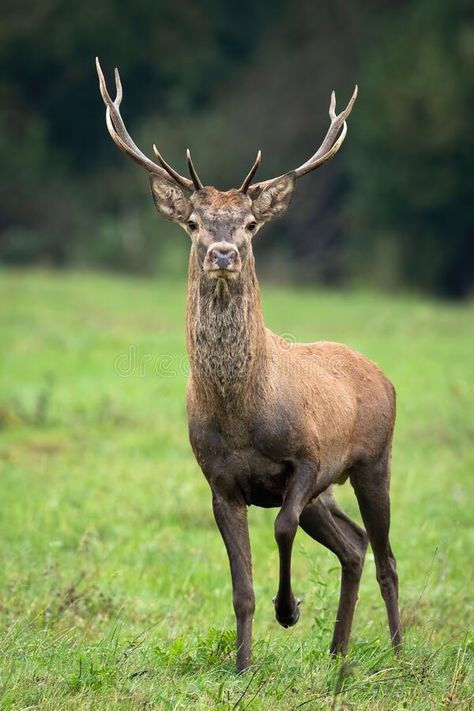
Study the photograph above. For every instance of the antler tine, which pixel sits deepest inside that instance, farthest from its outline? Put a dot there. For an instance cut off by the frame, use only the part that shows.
(171, 171)
(195, 177)
(332, 105)
(118, 88)
(115, 124)
(246, 184)
(330, 146)
(102, 85)
(122, 138)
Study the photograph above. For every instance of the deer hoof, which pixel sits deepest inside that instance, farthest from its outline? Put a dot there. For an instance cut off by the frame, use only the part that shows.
(288, 620)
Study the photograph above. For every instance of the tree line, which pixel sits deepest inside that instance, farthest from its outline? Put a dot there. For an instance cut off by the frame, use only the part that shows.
(394, 209)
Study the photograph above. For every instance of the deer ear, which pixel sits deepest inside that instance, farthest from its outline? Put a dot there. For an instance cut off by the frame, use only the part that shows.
(169, 199)
(270, 200)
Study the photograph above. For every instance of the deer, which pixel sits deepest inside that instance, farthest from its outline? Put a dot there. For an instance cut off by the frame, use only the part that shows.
(274, 424)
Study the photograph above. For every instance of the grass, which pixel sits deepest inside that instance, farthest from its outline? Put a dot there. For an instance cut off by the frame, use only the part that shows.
(115, 591)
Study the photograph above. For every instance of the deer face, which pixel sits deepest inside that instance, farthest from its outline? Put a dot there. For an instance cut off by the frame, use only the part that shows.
(221, 224)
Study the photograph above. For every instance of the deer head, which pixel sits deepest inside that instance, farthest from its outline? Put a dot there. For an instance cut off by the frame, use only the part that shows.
(220, 224)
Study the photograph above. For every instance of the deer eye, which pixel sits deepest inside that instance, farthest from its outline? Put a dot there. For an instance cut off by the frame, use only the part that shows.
(251, 226)
(192, 225)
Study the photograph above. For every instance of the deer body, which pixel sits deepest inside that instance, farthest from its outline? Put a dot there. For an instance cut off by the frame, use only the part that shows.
(257, 405)
(249, 449)
(272, 423)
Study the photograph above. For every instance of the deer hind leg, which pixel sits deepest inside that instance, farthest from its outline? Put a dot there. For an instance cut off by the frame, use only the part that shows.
(299, 492)
(324, 521)
(371, 485)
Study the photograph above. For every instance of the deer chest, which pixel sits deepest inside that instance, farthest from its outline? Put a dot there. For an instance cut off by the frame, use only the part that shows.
(251, 462)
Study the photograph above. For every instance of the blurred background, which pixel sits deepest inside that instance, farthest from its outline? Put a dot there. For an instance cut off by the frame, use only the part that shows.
(393, 211)
(114, 583)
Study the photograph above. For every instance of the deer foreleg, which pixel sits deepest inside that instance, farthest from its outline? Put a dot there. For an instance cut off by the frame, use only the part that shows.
(298, 494)
(231, 518)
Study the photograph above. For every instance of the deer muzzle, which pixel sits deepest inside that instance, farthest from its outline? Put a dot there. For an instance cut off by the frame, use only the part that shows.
(222, 259)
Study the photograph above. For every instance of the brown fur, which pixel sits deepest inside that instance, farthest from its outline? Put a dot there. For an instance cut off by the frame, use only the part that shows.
(218, 200)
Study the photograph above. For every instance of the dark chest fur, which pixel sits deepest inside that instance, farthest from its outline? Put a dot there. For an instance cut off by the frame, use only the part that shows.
(219, 325)
(225, 335)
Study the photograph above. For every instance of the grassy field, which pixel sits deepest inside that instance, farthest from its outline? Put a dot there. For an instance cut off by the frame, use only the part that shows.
(115, 591)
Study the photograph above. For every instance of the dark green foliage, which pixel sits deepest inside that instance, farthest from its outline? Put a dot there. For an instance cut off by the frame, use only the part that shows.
(395, 206)
(412, 151)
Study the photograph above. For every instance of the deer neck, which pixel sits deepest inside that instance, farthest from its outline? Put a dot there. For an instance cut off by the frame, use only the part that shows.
(225, 334)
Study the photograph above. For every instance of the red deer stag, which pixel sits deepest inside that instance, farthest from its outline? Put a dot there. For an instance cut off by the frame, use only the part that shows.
(272, 424)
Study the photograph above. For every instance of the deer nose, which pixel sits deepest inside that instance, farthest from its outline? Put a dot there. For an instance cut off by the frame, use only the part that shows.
(223, 256)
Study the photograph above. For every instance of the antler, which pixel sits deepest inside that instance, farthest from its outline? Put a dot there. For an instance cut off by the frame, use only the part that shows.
(192, 171)
(330, 145)
(123, 140)
(246, 184)
(119, 134)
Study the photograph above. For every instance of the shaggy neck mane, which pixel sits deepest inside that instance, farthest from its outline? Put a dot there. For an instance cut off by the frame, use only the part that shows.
(225, 332)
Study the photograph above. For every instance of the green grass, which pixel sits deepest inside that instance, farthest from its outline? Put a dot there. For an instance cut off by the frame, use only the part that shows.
(115, 591)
